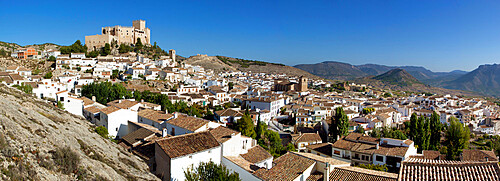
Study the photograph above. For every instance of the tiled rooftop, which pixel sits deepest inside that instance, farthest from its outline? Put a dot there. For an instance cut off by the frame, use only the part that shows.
(421, 169)
(177, 146)
(360, 174)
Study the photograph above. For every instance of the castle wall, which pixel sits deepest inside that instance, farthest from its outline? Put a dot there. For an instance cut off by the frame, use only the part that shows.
(122, 34)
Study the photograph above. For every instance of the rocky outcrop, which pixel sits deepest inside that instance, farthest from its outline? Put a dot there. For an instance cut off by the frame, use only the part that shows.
(32, 133)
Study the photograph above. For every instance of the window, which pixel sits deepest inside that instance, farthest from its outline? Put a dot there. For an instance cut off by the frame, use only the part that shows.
(336, 152)
(379, 158)
(190, 156)
(116, 129)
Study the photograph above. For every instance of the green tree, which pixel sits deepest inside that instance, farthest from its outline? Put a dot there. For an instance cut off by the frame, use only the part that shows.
(78, 68)
(420, 131)
(106, 50)
(114, 75)
(387, 94)
(368, 110)
(76, 47)
(259, 129)
(36, 71)
(92, 54)
(138, 45)
(360, 129)
(340, 123)
(210, 171)
(245, 126)
(60, 105)
(124, 48)
(456, 139)
(436, 128)
(374, 167)
(424, 135)
(230, 85)
(52, 58)
(47, 75)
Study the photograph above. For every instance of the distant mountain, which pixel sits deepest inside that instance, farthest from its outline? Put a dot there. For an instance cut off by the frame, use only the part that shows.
(485, 79)
(345, 71)
(333, 70)
(397, 77)
(374, 69)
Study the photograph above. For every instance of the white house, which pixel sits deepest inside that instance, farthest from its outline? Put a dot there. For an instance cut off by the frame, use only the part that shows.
(173, 155)
(183, 124)
(77, 55)
(115, 120)
(72, 104)
(272, 104)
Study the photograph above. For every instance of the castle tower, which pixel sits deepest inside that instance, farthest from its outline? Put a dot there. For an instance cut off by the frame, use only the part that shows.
(171, 52)
(302, 84)
(139, 24)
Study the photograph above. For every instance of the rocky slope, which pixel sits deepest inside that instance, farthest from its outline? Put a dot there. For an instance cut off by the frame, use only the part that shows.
(401, 80)
(485, 79)
(222, 63)
(397, 77)
(33, 133)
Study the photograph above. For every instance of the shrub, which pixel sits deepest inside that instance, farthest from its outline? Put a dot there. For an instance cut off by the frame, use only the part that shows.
(66, 159)
(101, 130)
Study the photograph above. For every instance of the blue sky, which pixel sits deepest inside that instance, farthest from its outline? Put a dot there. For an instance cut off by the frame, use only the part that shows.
(440, 35)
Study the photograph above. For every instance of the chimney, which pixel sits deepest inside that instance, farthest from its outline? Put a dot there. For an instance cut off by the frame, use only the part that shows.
(164, 133)
(377, 146)
(175, 115)
(142, 100)
(326, 173)
(487, 159)
(93, 98)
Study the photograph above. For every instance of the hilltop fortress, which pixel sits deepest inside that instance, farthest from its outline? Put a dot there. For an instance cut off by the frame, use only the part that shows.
(120, 34)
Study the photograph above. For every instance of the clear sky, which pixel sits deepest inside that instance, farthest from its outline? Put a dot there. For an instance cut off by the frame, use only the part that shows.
(440, 35)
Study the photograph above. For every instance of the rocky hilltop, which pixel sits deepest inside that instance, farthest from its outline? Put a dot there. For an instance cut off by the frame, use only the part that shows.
(397, 77)
(223, 63)
(41, 142)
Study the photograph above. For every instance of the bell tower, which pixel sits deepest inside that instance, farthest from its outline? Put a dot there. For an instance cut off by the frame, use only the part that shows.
(302, 84)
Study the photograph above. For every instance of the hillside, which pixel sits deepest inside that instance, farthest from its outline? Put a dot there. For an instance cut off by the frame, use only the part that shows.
(485, 79)
(397, 77)
(10, 47)
(345, 71)
(333, 70)
(223, 63)
(401, 80)
(34, 142)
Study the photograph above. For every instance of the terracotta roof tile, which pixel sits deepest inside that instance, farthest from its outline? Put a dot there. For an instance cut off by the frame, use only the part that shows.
(286, 168)
(154, 115)
(308, 137)
(109, 109)
(325, 148)
(360, 174)
(123, 103)
(222, 134)
(188, 122)
(421, 169)
(92, 109)
(256, 154)
(478, 155)
(186, 144)
(138, 136)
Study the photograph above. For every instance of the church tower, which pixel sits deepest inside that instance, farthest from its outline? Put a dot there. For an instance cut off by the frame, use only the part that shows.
(302, 84)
